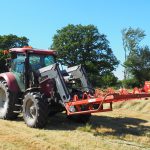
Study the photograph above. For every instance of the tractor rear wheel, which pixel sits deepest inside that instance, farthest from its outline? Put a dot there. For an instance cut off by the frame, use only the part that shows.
(7, 102)
(35, 110)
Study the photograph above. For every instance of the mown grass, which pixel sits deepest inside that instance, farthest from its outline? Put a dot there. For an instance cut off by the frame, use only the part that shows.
(127, 127)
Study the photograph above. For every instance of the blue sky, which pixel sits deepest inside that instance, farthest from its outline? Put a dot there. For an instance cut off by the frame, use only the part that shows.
(38, 20)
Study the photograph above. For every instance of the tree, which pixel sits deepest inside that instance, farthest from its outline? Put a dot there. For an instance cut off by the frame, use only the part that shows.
(77, 44)
(137, 61)
(109, 80)
(138, 64)
(11, 41)
(131, 39)
(7, 42)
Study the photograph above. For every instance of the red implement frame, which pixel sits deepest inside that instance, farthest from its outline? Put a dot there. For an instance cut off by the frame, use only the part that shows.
(93, 104)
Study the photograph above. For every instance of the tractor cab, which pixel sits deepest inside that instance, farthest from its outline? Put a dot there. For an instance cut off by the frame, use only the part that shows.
(25, 63)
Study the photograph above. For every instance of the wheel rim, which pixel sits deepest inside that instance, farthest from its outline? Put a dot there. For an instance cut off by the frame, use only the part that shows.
(3, 99)
(30, 110)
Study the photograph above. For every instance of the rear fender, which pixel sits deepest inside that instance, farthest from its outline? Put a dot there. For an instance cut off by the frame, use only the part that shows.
(11, 81)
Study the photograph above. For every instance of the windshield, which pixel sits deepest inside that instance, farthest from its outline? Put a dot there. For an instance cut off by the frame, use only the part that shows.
(39, 61)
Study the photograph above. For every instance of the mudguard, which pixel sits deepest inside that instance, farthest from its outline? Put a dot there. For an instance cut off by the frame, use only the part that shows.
(11, 81)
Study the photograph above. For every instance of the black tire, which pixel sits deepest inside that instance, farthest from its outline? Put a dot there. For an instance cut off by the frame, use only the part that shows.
(35, 110)
(52, 113)
(7, 102)
(82, 118)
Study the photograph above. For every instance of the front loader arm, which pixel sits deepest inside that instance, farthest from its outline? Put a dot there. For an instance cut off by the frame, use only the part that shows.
(53, 72)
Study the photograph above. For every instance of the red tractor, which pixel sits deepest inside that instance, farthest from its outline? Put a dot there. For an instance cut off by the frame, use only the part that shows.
(35, 86)
(25, 88)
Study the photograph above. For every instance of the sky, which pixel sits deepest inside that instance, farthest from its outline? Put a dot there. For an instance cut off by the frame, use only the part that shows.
(39, 20)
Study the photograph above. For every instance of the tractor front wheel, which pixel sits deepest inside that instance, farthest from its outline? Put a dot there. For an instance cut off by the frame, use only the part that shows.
(35, 110)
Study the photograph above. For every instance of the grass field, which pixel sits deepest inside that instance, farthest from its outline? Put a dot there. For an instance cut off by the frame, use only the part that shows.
(125, 128)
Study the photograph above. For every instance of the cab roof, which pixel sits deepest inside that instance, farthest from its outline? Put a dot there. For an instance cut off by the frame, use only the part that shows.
(31, 50)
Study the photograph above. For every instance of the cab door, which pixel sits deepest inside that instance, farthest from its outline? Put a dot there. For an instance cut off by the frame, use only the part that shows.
(18, 69)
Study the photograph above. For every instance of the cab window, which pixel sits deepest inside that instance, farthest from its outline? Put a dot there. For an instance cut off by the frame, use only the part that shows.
(17, 64)
(38, 61)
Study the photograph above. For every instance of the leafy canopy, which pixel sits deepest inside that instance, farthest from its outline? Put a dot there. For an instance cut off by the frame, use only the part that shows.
(7, 42)
(138, 64)
(138, 59)
(11, 41)
(78, 44)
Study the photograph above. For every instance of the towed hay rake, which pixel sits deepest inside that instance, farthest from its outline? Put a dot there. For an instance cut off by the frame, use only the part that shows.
(97, 102)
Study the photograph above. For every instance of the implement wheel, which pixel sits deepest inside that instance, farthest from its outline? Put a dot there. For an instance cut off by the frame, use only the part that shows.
(7, 102)
(35, 110)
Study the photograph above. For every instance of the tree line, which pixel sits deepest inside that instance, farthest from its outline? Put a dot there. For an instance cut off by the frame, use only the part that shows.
(86, 45)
